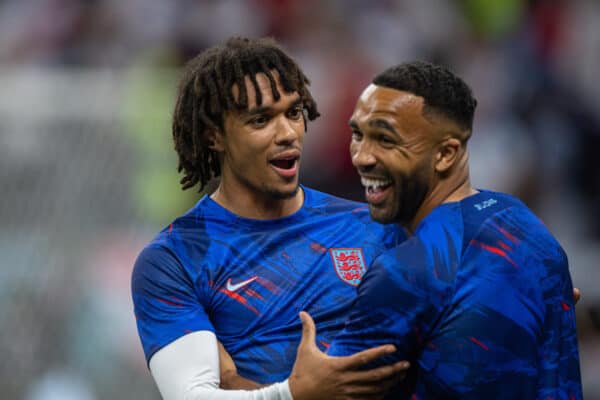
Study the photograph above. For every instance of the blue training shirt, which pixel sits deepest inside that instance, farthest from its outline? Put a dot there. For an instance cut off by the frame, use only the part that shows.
(479, 299)
(246, 280)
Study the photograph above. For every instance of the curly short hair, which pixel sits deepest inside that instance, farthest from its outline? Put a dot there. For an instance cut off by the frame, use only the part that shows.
(205, 94)
(443, 91)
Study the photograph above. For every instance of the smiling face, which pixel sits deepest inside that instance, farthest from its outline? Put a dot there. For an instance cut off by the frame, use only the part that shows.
(394, 148)
(260, 147)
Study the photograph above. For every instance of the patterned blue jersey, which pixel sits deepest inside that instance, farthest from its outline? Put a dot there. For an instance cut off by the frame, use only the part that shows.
(479, 299)
(246, 280)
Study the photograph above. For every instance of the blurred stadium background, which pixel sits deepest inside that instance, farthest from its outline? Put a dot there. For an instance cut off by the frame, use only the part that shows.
(87, 170)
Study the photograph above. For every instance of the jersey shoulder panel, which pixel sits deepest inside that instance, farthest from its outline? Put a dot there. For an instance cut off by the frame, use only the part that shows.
(167, 286)
(504, 221)
(330, 206)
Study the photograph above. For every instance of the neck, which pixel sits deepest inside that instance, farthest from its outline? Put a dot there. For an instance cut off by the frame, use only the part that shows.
(451, 189)
(257, 205)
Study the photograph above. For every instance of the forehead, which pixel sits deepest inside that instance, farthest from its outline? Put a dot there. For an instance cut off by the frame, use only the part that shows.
(264, 85)
(390, 104)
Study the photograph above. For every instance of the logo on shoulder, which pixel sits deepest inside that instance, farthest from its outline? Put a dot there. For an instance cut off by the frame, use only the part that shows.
(485, 204)
(349, 264)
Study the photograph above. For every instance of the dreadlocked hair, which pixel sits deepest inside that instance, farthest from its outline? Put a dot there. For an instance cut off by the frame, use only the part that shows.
(205, 94)
(442, 90)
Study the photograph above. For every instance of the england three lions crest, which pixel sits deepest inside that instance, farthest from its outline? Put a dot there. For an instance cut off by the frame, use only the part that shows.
(349, 265)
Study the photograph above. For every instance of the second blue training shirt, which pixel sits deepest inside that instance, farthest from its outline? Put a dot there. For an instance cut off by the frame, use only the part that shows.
(479, 300)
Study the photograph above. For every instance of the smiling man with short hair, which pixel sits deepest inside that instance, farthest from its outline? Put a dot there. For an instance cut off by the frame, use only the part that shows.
(479, 298)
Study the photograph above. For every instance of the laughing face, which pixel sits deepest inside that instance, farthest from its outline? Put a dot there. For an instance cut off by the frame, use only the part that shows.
(260, 147)
(393, 149)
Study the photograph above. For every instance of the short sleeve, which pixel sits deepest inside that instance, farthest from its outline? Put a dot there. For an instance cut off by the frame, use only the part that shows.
(166, 302)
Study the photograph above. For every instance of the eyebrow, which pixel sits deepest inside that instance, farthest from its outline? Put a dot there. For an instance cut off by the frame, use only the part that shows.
(383, 124)
(267, 109)
(255, 111)
(377, 123)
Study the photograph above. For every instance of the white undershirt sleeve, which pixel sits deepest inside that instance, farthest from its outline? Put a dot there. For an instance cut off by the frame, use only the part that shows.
(188, 369)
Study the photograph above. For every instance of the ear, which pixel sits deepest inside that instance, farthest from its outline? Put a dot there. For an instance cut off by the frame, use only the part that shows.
(448, 154)
(215, 140)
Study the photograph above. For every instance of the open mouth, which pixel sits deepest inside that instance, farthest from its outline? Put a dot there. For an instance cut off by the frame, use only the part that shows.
(375, 189)
(287, 163)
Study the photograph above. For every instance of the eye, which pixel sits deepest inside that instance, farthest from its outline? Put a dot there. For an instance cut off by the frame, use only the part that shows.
(385, 140)
(259, 121)
(295, 113)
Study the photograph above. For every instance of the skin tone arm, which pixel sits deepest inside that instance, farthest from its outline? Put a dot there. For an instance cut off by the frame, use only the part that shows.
(316, 375)
(230, 379)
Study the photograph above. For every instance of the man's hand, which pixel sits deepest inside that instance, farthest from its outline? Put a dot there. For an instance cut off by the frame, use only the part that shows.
(316, 375)
(577, 294)
(230, 379)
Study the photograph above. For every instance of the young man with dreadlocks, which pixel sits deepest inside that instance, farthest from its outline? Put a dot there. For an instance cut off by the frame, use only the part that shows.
(241, 264)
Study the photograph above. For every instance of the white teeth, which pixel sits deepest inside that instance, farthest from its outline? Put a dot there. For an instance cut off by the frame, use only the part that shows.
(374, 183)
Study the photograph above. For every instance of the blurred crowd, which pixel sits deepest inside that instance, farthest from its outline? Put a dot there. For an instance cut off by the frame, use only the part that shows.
(88, 172)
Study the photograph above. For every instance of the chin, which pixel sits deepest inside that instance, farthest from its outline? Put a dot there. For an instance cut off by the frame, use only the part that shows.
(381, 216)
(283, 193)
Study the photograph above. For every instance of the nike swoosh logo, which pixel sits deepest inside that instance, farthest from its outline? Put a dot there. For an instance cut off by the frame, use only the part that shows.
(232, 287)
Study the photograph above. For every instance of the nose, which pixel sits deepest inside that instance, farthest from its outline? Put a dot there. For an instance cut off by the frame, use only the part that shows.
(362, 155)
(286, 131)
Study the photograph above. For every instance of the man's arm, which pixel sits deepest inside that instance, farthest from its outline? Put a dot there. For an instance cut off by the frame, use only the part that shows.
(189, 369)
(316, 375)
(229, 375)
(177, 334)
